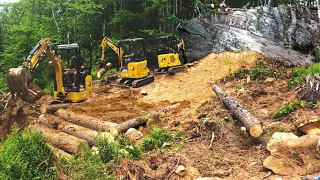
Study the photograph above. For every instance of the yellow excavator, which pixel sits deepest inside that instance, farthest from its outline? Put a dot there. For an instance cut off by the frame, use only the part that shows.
(72, 83)
(132, 60)
(171, 55)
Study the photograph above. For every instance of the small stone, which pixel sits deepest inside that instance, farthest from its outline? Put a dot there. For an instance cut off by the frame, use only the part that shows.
(180, 169)
(269, 80)
(143, 92)
(133, 134)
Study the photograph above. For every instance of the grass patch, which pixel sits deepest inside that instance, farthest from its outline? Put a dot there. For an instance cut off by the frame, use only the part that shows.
(128, 149)
(25, 155)
(285, 110)
(156, 139)
(87, 166)
(260, 71)
(298, 75)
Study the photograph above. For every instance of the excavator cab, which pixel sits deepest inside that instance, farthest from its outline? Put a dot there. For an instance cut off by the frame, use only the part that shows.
(169, 55)
(77, 81)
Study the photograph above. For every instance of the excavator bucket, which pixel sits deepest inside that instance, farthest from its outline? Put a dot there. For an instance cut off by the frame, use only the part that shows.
(18, 79)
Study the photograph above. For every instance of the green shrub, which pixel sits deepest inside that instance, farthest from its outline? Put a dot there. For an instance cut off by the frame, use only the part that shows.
(25, 155)
(127, 148)
(260, 71)
(285, 110)
(156, 139)
(275, 128)
(87, 166)
(298, 74)
(107, 148)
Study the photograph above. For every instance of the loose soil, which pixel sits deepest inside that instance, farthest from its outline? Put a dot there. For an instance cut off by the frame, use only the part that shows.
(235, 155)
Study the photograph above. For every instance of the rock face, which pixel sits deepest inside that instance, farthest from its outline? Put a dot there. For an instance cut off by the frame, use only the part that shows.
(288, 34)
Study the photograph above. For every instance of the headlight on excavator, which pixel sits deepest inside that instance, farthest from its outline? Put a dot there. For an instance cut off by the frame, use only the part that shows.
(132, 68)
(145, 66)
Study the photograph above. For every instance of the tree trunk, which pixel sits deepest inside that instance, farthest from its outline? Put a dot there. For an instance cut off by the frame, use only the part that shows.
(60, 153)
(72, 129)
(136, 122)
(252, 125)
(52, 108)
(85, 121)
(59, 139)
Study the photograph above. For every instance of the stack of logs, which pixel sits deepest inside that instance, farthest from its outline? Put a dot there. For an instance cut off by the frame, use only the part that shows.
(68, 131)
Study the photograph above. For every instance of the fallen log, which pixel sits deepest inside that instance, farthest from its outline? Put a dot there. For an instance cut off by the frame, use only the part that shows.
(136, 122)
(111, 77)
(253, 126)
(60, 153)
(61, 140)
(52, 108)
(75, 130)
(85, 121)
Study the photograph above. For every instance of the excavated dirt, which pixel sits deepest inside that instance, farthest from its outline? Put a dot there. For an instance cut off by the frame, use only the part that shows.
(235, 155)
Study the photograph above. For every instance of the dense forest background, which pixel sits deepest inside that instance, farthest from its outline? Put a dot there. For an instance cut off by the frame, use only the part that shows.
(86, 22)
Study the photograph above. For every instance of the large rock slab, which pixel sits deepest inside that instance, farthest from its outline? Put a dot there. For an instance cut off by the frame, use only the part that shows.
(292, 155)
(288, 34)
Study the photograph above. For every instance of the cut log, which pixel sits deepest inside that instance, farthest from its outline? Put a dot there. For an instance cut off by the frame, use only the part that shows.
(111, 77)
(61, 140)
(60, 153)
(136, 122)
(253, 126)
(52, 108)
(69, 128)
(85, 121)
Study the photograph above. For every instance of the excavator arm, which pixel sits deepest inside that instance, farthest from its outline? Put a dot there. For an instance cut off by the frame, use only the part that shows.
(119, 51)
(19, 78)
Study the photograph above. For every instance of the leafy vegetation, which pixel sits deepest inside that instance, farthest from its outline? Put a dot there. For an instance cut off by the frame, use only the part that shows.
(260, 71)
(156, 139)
(298, 74)
(87, 166)
(285, 110)
(25, 155)
(128, 149)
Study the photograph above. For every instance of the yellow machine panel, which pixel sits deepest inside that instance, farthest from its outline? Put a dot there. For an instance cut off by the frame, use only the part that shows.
(135, 70)
(168, 60)
(78, 96)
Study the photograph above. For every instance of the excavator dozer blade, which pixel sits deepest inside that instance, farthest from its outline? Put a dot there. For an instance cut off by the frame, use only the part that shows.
(18, 83)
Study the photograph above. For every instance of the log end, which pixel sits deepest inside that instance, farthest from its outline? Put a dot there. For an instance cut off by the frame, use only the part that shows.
(256, 130)
(114, 131)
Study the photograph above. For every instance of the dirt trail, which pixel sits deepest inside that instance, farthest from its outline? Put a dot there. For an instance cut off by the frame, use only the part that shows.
(195, 83)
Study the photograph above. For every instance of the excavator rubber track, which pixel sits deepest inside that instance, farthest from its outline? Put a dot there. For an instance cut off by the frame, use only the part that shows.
(143, 81)
(170, 71)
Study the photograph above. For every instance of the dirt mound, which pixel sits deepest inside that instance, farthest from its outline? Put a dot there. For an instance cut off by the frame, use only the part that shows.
(195, 83)
(161, 166)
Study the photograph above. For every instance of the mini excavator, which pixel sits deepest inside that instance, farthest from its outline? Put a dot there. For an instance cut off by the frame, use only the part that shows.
(132, 60)
(171, 55)
(72, 84)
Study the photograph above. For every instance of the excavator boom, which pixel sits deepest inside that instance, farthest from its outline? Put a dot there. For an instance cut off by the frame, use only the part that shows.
(107, 42)
(19, 78)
